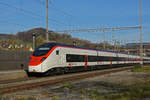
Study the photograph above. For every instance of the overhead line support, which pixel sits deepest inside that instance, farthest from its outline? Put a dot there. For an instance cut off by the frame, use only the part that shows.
(99, 29)
(141, 32)
(47, 34)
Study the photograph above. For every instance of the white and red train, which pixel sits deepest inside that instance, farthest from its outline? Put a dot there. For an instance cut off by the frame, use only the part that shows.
(61, 57)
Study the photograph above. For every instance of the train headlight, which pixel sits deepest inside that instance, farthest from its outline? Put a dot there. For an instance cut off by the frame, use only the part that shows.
(43, 58)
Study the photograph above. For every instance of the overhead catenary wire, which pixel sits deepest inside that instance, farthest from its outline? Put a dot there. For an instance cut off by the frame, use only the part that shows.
(23, 27)
(52, 6)
(69, 16)
(62, 11)
(39, 2)
(18, 24)
(30, 12)
(100, 29)
(38, 15)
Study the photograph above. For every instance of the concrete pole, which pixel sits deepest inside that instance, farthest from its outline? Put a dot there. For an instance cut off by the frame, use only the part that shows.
(141, 32)
(113, 40)
(47, 34)
(104, 46)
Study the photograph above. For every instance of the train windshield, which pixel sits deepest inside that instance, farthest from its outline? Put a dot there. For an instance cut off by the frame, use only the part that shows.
(43, 49)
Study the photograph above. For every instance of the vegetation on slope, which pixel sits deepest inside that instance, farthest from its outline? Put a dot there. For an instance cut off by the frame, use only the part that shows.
(53, 36)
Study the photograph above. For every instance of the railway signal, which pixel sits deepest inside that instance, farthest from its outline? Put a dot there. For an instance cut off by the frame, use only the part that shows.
(34, 40)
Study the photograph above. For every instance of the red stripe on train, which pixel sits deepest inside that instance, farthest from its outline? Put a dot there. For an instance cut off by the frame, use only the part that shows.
(37, 60)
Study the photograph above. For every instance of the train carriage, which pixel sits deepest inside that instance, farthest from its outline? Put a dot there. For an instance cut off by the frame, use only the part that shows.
(50, 56)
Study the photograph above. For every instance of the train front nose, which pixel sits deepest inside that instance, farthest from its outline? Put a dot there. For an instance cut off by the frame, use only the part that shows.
(35, 64)
(39, 56)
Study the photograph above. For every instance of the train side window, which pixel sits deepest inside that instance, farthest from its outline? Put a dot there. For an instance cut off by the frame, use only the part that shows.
(57, 52)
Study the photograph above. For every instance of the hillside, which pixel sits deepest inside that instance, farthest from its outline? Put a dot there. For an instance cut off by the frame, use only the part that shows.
(53, 36)
(7, 36)
(23, 40)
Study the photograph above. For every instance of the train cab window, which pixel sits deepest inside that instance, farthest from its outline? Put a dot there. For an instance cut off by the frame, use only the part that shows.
(57, 52)
(43, 49)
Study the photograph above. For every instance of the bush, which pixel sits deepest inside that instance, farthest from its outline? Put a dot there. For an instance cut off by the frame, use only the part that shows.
(137, 68)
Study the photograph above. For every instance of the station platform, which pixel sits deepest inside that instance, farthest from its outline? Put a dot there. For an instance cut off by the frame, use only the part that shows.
(12, 74)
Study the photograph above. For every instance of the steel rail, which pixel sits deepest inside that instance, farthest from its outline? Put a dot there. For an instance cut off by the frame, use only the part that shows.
(68, 78)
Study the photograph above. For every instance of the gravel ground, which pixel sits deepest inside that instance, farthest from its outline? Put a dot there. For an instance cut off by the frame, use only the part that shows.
(80, 90)
(12, 74)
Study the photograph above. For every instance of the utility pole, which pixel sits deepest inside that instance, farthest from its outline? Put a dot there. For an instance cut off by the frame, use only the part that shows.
(47, 34)
(104, 46)
(141, 32)
(113, 39)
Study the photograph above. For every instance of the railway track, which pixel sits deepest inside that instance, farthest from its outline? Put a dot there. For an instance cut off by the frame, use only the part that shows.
(60, 79)
(17, 80)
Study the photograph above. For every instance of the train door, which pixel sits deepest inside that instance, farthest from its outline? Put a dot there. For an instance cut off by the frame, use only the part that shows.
(86, 60)
(118, 58)
(97, 58)
(63, 57)
(58, 57)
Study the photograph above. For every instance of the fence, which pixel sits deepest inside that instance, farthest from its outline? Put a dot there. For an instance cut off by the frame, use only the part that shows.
(11, 60)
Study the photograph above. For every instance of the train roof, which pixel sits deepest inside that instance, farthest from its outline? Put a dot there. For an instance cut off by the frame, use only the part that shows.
(73, 46)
